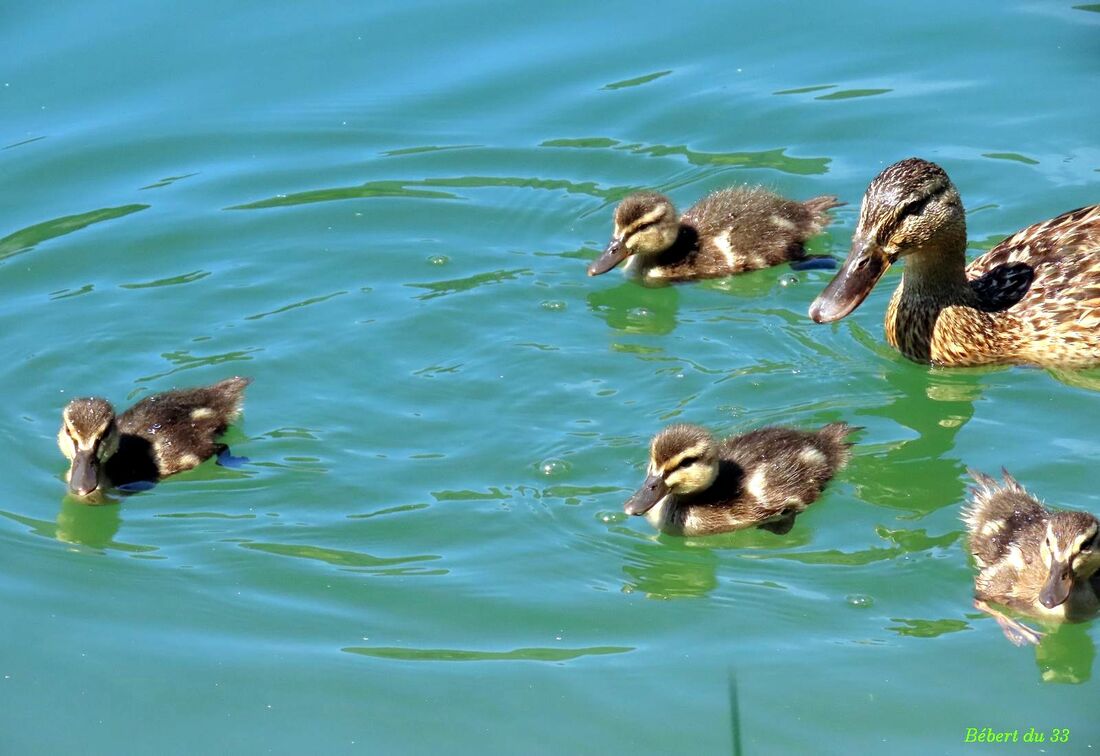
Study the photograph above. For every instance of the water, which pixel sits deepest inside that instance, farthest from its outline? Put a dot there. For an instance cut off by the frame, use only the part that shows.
(383, 215)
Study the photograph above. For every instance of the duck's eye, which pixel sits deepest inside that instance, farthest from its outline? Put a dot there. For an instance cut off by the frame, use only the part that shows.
(688, 461)
(1089, 544)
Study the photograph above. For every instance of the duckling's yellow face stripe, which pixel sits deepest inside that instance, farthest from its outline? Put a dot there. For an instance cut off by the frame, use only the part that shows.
(652, 216)
(65, 443)
(673, 463)
(689, 470)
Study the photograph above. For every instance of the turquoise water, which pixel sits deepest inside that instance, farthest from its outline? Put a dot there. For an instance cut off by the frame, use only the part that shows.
(383, 213)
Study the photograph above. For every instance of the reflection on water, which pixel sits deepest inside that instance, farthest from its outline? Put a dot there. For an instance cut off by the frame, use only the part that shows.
(517, 654)
(637, 309)
(1065, 655)
(92, 526)
(776, 159)
(453, 286)
(905, 542)
(402, 189)
(663, 573)
(183, 278)
(184, 360)
(922, 628)
(27, 238)
(922, 474)
(353, 561)
(637, 81)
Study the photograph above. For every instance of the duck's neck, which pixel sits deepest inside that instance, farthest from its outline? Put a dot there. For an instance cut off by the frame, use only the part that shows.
(932, 280)
(938, 277)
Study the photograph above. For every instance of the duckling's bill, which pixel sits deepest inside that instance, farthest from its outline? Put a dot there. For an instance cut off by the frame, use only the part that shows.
(864, 266)
(615, 253)
(84, 472)
(647, 497)
(1058, 585)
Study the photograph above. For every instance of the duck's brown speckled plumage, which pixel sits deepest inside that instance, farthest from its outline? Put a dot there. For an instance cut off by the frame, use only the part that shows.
(700, 486)
(161, 435)
(728, 232)
(1032, 299)
(1018, 544)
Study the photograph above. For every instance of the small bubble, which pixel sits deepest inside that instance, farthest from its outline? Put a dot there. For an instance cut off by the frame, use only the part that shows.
(640, 312)
(551, 467)
(860, 601)
(554, 305)
(790, 279)
(610, 518)
(438, 260)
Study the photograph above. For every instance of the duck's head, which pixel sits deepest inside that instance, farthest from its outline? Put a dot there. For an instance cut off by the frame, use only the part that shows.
(911, 208)
(88, 437)
(1070, 552)
(683, 459)
(645, 224)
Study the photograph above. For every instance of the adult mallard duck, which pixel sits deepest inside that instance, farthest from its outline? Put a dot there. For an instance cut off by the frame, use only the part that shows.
(730, 231)
(161, 435)
(1033, 299)
(699, 486)
(1031, 559)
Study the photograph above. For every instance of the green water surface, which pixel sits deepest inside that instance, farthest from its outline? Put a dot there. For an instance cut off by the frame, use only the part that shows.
(382, 212)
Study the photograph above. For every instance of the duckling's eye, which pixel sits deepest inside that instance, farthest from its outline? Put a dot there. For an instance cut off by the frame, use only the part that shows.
(688, 462)
(1090, 544)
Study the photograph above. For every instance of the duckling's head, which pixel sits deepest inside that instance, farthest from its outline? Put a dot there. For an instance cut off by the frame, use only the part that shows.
(645, 224)
(88, 437)
(1071, 552)
(683, 459)
(911, 208)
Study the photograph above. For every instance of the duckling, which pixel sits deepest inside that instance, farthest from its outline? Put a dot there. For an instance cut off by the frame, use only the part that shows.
(161, 435)
(730, 231)
(1032, 299)
(1031, 559)
(699, 486)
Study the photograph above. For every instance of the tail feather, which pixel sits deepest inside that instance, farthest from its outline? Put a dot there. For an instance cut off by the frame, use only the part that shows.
(835, 438)
(819, 207)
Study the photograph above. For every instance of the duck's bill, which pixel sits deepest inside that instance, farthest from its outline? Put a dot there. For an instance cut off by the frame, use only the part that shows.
(865, 265)
(646, 497)
(615, 253)
(1057, 587)
(84, 473)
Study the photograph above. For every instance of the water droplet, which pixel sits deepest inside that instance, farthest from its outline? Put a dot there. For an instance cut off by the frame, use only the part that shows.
(860, 601)
(438, 260)
(554, 305)
(790, 279)
(640, 312)
(551, 467)
(610, 518)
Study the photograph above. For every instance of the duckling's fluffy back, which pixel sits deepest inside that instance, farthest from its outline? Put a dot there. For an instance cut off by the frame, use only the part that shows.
(177, 429)
(786, 468)
(755, 227)
(1000, 515)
